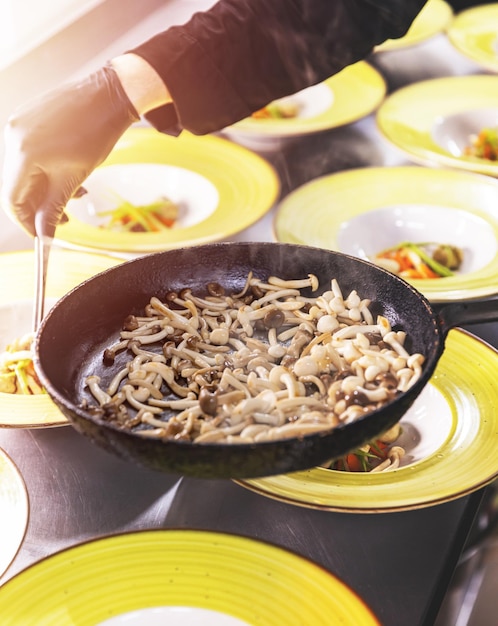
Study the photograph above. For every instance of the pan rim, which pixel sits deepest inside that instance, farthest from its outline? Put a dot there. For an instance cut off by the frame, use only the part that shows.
(71, 408)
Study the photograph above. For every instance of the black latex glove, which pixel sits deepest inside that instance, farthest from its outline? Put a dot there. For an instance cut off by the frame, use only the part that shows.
(55, 141)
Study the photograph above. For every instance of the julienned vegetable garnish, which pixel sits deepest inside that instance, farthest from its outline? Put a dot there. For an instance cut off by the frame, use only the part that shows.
(17, 373)
(484, 145)
(377, 456)
(154, 217)
(421, 260)
(277, 110)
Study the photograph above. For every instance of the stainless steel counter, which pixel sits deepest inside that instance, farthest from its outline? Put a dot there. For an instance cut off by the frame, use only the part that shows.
(400, 563)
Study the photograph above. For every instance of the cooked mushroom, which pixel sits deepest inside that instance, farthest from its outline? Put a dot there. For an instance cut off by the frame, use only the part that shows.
(269, 362)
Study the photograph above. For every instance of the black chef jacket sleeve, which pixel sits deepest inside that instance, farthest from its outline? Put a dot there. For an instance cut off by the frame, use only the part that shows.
(234, 58)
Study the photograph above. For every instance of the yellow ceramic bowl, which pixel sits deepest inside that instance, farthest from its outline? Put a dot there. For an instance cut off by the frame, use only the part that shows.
(222, 188)
(348, 96)
(432, 121)
(448, 459)
(474, 33)
(177, 577)
(366, 210)
(434, 18)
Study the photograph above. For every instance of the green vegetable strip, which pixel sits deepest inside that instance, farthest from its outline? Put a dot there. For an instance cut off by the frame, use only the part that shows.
(429, 261)
(436, 267)
(126, 211)
(154, 222)
(142, 215)
(22, 377)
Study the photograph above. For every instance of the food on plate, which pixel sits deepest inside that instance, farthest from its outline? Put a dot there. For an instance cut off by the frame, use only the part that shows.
(421, 260)
(484, 145)
(17, 373)
(379, 455)
(280, 109)
(270, 362)
(146, 218)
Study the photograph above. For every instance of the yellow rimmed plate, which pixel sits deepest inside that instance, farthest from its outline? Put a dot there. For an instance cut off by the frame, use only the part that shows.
(14, 508)
(434, 18)
(366, 210)
(474, 33)
(67, 268)
(220, 187)
(432, 121)
(178, 577)
(346, 97)
(451, 439)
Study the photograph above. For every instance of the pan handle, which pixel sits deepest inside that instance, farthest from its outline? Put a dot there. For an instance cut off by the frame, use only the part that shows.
(462, 313)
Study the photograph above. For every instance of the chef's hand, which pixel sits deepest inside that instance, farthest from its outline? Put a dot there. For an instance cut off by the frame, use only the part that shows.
(54, 142)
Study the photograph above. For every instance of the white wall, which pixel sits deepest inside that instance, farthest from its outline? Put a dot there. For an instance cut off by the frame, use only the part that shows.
(24, 24)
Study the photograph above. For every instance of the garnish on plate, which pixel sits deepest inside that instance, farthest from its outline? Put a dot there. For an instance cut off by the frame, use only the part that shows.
(421, 260)
(484, 145)
(17, 373)
(146, 218)
(377, 456)
(277, 110)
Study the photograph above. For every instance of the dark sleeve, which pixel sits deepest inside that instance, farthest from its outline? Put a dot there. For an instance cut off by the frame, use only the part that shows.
(239, 55)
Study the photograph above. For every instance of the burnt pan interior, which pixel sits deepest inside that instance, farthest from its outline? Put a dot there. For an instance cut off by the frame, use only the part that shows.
(71, 340)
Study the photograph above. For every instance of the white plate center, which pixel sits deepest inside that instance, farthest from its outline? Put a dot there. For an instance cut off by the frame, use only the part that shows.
(311, 102)
(368, 234)
(173, 616)
(454, 133)
(425, 426)
(141, 184)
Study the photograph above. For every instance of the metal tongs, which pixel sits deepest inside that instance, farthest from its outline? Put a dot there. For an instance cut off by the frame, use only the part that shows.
(43, 243)
(44, 237)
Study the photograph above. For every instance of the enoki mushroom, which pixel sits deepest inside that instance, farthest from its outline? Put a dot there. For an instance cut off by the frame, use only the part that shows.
(267, 363)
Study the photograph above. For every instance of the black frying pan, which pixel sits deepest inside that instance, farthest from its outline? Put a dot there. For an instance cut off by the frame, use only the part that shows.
(71, 340)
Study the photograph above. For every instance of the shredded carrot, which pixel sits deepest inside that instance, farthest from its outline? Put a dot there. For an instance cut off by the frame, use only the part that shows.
(353, 463)
(484, 145)
(415, 261)
(149, 218)
(422, 271)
